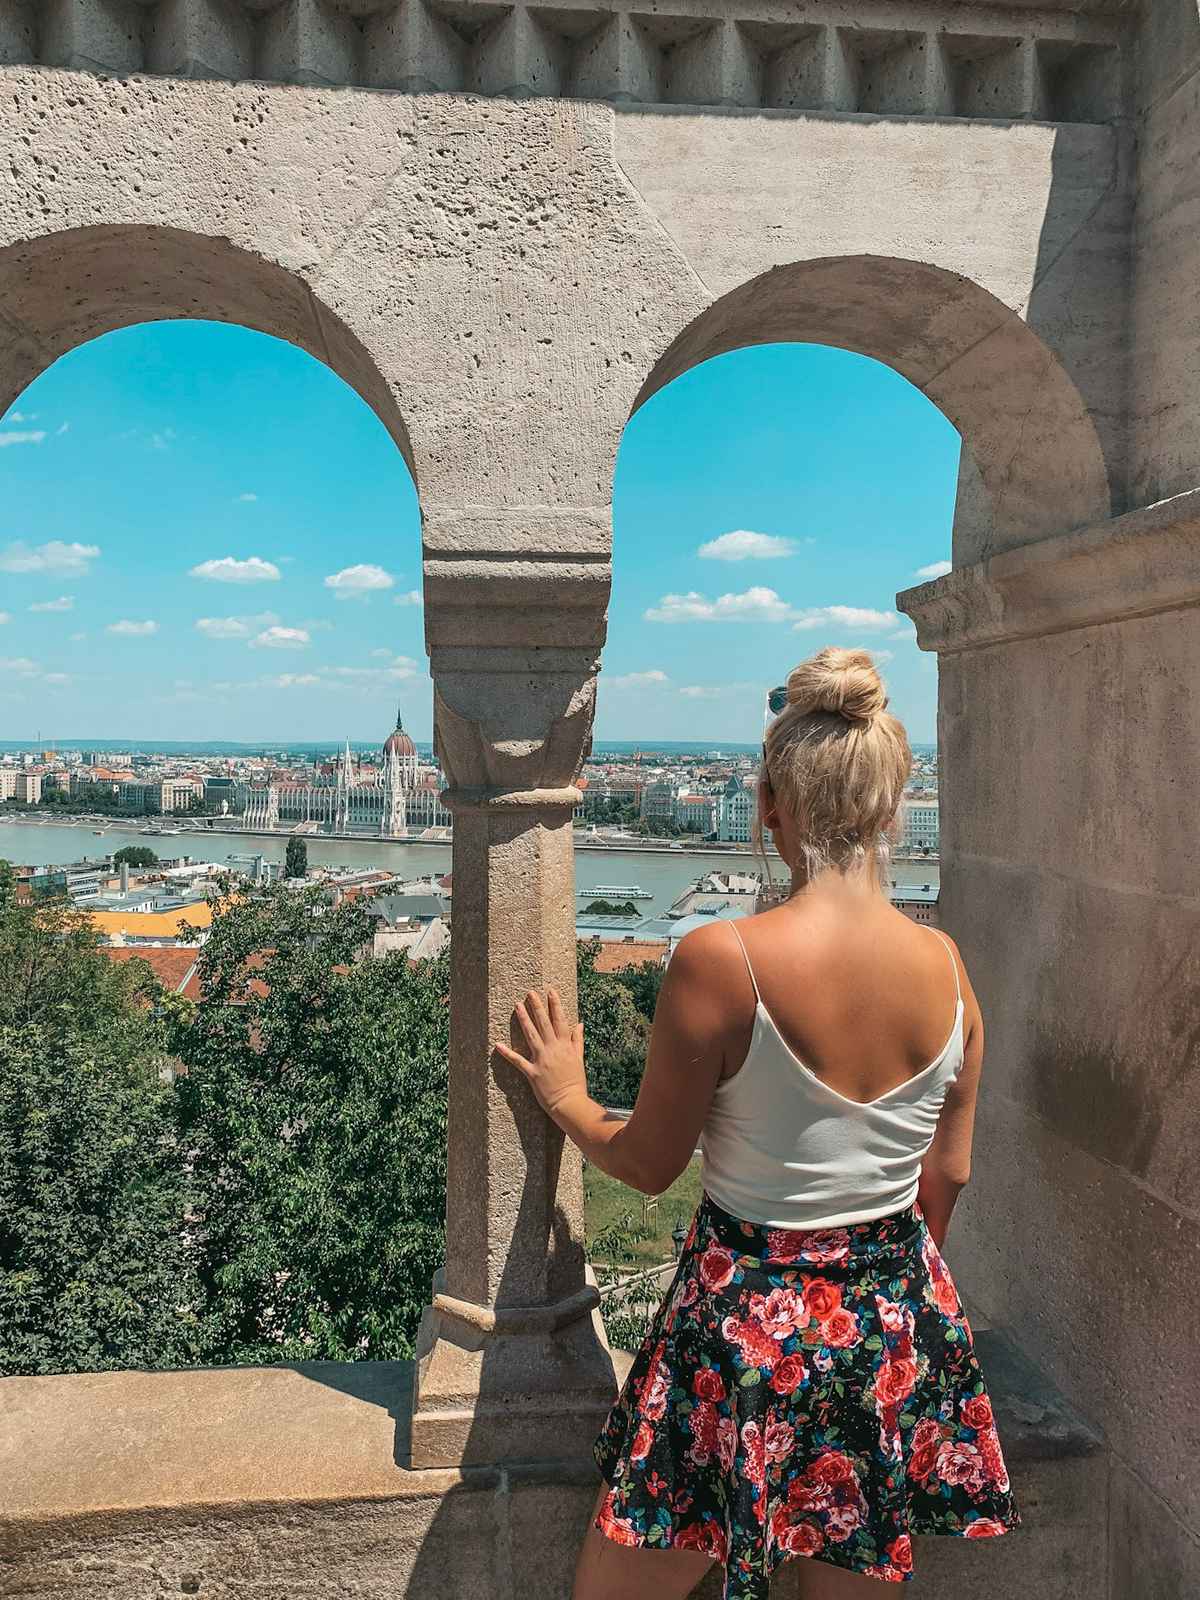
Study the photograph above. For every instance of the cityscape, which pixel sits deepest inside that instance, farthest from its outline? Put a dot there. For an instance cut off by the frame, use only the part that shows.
(153, 836)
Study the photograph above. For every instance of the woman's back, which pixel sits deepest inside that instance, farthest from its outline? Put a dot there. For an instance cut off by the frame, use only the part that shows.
(848, 1031)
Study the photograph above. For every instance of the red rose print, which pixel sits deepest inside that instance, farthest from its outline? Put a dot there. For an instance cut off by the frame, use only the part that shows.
(984, 1528)
(922, 1461)
(988, 1443)
(727, 1442)
(832, 1467)
(758, 1348)
(926, 1434)
(704, 1536)
(654, 1397)
(799, 1538)
(977, 1411)
(789, 1374)
(960, 1463)
(894, 1316)
(709, 1384)
(780, 1313)
(702, 1425)
(642, 1443)
(900, 1553)
(840, 1330)
(895, 1382)
(619, 1529)
(716, 1268)
(756, 1454)
(780, 1439)
(821, 1298)
(841, 1522)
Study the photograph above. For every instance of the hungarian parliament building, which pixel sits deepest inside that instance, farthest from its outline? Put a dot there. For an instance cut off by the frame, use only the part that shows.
(393, 800)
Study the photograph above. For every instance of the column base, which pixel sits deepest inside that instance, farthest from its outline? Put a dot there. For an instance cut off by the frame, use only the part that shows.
(508, 1384)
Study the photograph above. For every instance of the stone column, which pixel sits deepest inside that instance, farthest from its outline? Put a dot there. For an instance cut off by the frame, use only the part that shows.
(512, 1360)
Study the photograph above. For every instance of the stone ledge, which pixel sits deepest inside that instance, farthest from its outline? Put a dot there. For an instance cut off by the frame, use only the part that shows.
(1137, 565)
(105, 1443)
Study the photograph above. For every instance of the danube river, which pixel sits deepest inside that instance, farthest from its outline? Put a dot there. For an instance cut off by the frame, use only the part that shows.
(664, 875)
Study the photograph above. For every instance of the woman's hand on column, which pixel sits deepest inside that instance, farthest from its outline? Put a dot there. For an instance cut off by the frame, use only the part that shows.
(554, 1063)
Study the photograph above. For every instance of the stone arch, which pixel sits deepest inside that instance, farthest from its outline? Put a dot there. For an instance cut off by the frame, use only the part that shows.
(1032, 460)
(59, 290)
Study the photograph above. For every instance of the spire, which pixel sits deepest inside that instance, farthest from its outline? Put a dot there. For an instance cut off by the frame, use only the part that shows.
(399, 721)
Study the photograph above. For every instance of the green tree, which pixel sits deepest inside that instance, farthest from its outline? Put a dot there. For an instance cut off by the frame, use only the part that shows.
(295, 862)
(137, 855)
(96, 1263)
(314, 1107)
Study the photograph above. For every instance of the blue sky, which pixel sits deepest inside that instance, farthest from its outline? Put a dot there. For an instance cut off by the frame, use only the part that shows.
(205, 534)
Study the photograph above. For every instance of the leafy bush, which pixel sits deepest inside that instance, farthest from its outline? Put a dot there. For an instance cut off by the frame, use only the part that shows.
(96, 1267)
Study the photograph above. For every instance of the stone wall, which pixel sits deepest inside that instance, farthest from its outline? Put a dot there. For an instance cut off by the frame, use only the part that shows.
(1069, 701)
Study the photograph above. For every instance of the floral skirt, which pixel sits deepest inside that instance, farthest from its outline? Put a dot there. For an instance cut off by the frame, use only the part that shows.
(810, 1393)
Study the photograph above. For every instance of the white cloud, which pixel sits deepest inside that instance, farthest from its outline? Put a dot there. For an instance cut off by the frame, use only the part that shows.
(411, 597)
(844, 617)
(381, 655)
(935, 569)
(68, 560)
(653, 679)
(65, 602)
(5, 616)
(352, 583)
(275, 638)
(293, 680)
(20, 416)
(743, 545)
(19, 666)
(701, 691)
(879, 657)
(75, 638)
(753, 605)
(163, 439)
(234, 627)
(34, 437)
(139, 630)
(57, 680)
(247, 499)
(398, 669)
(228, 569)
(62, 428)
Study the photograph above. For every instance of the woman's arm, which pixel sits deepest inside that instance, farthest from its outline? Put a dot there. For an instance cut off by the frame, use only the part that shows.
(683, 1067)
(947, 1164)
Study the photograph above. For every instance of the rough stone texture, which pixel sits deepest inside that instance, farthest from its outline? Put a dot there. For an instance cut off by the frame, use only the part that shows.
(1166, 300)
(1069, 675)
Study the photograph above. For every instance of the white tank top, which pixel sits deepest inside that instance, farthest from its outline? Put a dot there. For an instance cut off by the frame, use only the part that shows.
(781, 1148)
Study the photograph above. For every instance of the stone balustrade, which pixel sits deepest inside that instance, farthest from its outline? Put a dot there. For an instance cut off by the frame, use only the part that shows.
(1045, 62)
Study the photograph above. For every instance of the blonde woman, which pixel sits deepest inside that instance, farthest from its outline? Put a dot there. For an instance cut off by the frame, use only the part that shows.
(809, 1387)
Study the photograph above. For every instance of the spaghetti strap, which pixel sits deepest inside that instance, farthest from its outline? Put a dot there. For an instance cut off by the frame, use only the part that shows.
(746, 958)
(953, 962)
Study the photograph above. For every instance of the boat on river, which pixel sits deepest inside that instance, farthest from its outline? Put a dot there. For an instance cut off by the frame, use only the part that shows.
(617, 891)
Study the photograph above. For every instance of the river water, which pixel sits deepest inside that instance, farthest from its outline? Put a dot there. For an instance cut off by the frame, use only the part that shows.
(664, 875)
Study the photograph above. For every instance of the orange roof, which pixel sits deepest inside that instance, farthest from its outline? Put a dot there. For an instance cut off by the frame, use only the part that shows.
(153, 924)
(171, 966)
(615, 956)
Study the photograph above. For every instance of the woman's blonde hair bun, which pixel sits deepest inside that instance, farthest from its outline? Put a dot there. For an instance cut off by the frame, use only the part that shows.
(838, 683)
(836, 761)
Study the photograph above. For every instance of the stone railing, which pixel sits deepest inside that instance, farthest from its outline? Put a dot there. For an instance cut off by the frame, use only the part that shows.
(243, 1483)
(1045, 62)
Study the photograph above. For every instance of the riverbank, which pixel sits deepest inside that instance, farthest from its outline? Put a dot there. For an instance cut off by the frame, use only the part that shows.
(101, 825)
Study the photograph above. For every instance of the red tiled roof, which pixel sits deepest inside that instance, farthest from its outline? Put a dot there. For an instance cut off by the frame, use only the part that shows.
(172, 966)
(615, 956)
